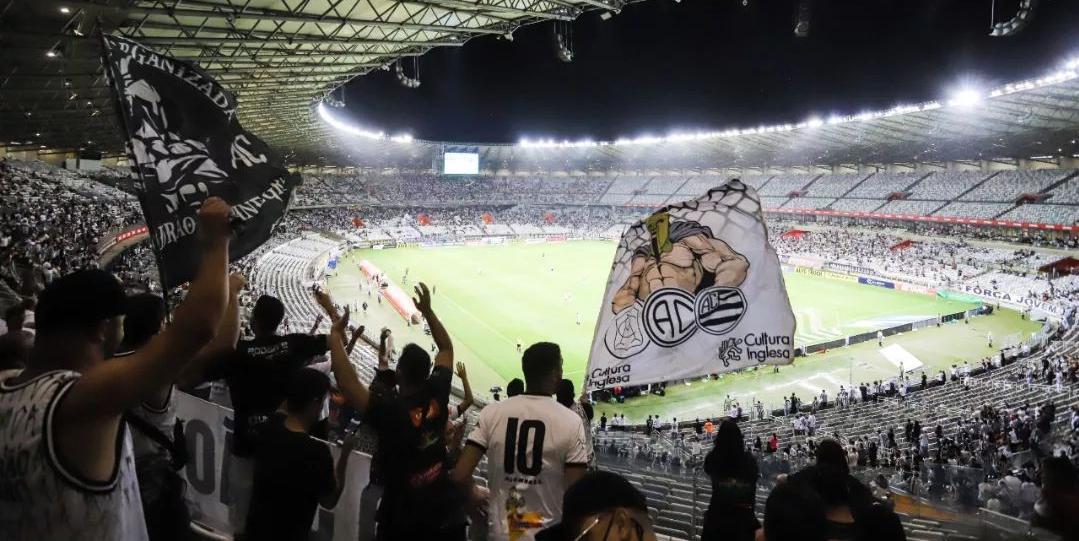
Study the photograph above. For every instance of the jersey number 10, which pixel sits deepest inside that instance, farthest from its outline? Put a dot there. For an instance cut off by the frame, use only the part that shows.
(518, 434)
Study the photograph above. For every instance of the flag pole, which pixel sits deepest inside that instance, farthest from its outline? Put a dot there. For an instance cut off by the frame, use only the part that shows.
(114, 80)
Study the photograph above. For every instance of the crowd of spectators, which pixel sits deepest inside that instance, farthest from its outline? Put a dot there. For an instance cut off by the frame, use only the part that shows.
(108, 476)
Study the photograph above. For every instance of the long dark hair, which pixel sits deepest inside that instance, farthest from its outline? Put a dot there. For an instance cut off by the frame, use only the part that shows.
(728, 455)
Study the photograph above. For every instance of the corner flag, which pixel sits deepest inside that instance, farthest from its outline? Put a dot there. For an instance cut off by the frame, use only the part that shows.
(694, 289)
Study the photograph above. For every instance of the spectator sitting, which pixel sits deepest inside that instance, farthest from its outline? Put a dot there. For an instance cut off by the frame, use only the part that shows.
(734, 486)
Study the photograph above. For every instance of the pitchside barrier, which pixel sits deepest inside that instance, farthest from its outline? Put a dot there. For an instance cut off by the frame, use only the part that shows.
(968, 294)
(209, 436)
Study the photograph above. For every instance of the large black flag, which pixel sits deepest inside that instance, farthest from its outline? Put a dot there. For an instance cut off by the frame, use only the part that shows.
(186, 144)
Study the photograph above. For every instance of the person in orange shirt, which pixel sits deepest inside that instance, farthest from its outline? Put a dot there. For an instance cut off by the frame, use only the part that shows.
(708, 427)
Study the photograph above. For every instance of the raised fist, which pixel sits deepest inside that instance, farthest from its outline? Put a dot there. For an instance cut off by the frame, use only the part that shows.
(214, 218)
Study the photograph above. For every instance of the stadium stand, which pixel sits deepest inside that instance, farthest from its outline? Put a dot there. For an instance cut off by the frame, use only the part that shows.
(1060, 214)
(1009, 185)
(882, 184)
(785, 184)
(808, 202)
(973, 210)
(908, 206)
(834, 185)
(1067, 192)
(946, 185)
(857, 205)
(951, 471)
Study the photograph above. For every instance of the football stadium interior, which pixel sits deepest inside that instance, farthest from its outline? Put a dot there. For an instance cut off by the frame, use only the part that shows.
(928, 251)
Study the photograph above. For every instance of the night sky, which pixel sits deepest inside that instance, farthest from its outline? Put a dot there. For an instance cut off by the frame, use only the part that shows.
(661, 66)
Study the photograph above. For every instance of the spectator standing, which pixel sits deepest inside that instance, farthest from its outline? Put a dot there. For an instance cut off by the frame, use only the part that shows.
(734, 473)
(844, 496)
(78, 478)
(294, 473)
(565, 395)
(257, 376)
(793, 513)
(515, 387)
(535, 448)
(419, 501)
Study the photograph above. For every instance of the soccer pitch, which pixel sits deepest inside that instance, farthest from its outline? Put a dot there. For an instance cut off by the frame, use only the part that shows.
(491, 297)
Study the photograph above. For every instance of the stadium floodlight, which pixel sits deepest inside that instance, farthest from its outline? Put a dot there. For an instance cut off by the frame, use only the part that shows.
(965, 98)
(324, 114)
(65, 10)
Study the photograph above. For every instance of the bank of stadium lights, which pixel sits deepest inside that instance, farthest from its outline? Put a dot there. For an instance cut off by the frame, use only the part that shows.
(965, 98)
(682, 137)
(324, 114)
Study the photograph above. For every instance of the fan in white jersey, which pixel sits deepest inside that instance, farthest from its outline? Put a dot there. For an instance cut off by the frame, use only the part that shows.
(60, 419)
(535, 449)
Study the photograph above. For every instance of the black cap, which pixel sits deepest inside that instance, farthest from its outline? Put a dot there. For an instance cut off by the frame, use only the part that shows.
(79, 300)
(594, 493)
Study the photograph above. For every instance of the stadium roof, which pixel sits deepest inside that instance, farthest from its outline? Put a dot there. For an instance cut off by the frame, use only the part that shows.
(281, 57)
(1028, 119)
(278, 56)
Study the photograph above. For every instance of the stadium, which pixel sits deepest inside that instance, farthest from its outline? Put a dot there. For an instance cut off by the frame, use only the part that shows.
(927, 248)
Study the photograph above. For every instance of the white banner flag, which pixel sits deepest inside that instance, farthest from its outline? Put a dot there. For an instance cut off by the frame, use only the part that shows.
(694, 289)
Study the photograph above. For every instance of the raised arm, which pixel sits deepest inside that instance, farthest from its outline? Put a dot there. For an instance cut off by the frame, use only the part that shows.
(355, 393)
(444, 357)
(385, 346)
(87, 419)
(356, 335)
(468, 400)
(106, 390)
(224, 343)
(323, 300)
(314, 328)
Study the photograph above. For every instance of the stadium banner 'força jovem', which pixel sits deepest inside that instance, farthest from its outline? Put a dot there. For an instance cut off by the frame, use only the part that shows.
(186, 145)
(694, 289)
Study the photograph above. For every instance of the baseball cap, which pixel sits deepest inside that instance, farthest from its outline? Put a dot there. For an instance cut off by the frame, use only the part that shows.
(595, 493)
(78, 300)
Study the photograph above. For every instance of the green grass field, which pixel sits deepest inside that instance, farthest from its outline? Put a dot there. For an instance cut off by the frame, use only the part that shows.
(490, 297)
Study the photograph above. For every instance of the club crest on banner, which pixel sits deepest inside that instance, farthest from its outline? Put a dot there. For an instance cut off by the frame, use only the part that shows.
(688, 287)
